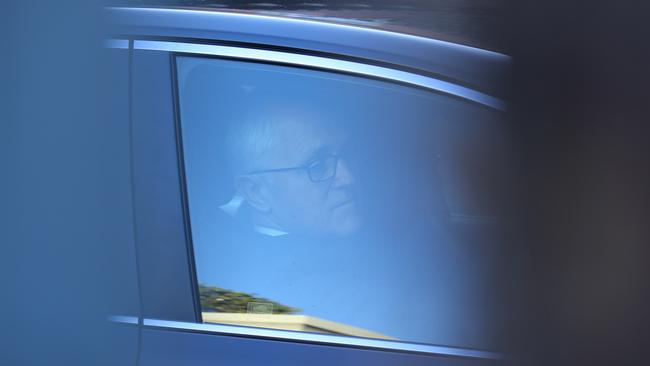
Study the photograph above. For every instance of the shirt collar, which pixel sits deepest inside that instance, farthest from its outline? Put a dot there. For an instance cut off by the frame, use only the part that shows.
(269, 231)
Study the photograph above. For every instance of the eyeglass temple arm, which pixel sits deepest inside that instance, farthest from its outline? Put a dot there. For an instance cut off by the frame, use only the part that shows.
(279, 170)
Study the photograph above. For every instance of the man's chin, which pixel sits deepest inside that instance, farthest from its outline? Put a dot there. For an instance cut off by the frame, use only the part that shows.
(347, 225)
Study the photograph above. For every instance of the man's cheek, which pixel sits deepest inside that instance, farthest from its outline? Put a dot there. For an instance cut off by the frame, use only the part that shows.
(348, 218)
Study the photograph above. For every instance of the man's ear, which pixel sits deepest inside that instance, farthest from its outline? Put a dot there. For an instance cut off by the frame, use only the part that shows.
(252, 190)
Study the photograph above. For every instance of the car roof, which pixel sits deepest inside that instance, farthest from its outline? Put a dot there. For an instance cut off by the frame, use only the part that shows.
(477, 68)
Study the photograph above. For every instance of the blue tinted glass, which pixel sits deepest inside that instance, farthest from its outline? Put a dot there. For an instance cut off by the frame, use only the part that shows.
(368, 252)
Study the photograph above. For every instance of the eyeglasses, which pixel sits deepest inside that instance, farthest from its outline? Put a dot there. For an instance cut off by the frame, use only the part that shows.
(319, 170)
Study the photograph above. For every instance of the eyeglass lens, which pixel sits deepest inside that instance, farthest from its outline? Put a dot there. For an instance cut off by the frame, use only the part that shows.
(323, 169)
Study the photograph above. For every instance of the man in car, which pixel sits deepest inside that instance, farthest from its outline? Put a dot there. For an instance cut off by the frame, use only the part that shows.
(289, 174)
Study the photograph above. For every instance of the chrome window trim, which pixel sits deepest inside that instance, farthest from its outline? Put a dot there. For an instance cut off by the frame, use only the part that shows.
(325, 63)
(124, 319)
(116, 43)
(327, 339)
(326, 25)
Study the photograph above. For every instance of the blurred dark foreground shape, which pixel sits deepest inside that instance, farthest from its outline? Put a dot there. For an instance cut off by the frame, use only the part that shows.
(580, 93)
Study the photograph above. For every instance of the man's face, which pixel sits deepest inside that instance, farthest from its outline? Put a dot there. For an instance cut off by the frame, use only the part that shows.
(297, 204)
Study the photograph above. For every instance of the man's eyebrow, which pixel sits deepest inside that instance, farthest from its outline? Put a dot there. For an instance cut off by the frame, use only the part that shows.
(319, 152)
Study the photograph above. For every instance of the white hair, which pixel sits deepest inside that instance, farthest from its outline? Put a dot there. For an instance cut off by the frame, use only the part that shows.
(247, 141)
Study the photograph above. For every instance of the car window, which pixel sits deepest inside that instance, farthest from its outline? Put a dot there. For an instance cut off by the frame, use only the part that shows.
(325, 202)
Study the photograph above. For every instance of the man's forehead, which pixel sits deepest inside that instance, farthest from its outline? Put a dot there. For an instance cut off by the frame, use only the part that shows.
(302, 139)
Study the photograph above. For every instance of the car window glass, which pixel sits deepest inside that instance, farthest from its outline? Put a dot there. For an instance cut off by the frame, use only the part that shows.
(325, 202)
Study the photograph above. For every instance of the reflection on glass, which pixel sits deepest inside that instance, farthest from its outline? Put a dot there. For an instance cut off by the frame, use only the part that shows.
(316, 204)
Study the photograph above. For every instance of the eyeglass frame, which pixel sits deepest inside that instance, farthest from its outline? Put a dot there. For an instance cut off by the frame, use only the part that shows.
(307, 166)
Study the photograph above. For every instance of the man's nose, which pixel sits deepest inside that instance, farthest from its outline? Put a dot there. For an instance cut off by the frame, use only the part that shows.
(343, 175)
